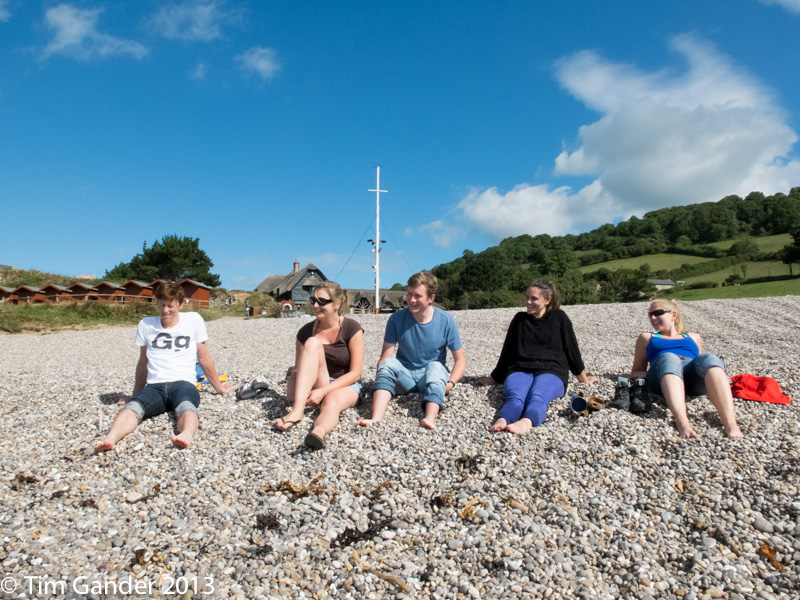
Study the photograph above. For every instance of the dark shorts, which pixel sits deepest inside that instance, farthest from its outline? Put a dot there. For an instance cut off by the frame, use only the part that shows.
(158, 398)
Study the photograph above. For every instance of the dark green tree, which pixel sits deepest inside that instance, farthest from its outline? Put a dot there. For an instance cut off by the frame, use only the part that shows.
(173, 258)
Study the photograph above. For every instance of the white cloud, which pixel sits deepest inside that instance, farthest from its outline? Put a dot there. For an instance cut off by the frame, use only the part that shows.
(5, 14)
(261, 61)
(192, 20)
(790, 5)
(199, 72)
(663, 138)
(76, 35)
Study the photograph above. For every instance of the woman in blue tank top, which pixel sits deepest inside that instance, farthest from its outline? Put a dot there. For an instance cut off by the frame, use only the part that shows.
(678, 366)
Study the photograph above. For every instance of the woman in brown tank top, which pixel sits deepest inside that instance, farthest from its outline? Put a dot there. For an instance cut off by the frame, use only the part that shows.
(329, 356)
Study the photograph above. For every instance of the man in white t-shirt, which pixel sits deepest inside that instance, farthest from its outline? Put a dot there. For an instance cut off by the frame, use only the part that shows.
(171, 344)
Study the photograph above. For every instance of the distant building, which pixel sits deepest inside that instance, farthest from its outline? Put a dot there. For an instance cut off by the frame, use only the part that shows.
(664, 284)
(293, 290)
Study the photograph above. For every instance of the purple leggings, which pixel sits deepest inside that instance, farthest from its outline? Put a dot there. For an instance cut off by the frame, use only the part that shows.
(528, 395)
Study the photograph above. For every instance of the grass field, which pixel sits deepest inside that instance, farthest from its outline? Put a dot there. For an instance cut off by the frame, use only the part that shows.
(753, 270)
(770, 243)
(657, 262)
(788, 287)
(46, 318)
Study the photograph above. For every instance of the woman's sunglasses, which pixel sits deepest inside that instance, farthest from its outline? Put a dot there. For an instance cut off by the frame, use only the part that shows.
(321, 301)
(659, 312)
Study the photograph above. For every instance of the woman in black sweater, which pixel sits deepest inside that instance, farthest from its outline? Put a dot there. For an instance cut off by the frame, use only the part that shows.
(539, 351)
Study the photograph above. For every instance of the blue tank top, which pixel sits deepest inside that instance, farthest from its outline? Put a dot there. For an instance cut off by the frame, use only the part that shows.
(685, 347)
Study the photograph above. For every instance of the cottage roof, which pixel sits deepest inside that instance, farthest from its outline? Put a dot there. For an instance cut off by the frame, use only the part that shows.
(108, 284)
(275, 284)
(661, 282)
(7, 290)
(26, 287)
(60, 288)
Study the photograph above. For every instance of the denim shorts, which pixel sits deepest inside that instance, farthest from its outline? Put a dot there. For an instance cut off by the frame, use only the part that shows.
(691, 370)
(396, 379)
(157, 398)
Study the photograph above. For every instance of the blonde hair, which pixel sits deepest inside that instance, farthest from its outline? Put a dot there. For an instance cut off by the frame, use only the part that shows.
(427, 279)
(550, 291)
(672, 305)
(336, 293)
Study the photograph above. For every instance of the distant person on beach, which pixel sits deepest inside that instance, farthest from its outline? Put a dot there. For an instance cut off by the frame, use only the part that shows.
(171, 346)
(678, 366)
(423, 334)
(539, 351)
(329, 357)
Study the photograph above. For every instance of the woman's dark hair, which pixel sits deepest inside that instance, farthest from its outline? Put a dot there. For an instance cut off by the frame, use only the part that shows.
(549, 290)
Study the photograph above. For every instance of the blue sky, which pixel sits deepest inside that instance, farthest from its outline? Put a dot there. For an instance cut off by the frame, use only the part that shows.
(256, 126)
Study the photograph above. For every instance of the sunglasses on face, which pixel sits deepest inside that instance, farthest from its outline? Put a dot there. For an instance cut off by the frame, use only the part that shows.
(321, 301)
(659, 312)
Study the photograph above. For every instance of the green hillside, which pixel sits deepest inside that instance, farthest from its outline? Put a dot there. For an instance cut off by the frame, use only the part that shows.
(657, 262)
(713, 245)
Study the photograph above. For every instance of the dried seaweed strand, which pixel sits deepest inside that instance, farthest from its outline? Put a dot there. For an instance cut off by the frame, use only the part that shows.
(365, 567)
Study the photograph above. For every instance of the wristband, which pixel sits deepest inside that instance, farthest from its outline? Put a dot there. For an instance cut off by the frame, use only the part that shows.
(451, 381)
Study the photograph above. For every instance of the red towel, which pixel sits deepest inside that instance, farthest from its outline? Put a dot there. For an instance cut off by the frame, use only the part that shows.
(762, 389)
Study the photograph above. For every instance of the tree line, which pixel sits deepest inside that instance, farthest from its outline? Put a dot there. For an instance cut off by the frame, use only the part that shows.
(498, 276)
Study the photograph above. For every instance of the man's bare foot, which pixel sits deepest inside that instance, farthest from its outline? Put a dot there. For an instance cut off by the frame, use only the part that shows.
(520, 427)
(182, 440)
(103, 445)
(367, 422)
(734, 433)
(499, 425)
(429, 422)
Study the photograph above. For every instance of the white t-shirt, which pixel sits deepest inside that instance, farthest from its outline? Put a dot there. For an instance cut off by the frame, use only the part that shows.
(171, 353)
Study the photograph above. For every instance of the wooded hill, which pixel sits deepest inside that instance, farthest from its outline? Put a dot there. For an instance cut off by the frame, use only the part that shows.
(733, 241)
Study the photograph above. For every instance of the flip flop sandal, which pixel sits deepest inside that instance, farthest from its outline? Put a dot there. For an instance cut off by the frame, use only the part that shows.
(289, 424)
(314, 442)
(260, 384)
(252, 388)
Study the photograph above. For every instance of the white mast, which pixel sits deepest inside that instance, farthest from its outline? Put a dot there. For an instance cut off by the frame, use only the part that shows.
(378, 241)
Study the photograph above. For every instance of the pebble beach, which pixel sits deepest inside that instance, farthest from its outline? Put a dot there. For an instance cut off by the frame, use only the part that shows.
(608, 505)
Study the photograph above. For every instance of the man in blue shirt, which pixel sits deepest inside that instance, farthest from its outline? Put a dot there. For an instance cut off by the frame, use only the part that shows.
(423, 334)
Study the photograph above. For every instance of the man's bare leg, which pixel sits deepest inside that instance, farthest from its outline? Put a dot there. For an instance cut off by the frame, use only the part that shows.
(187, 427)
(380, 402)
(431, 412)
(124, 423)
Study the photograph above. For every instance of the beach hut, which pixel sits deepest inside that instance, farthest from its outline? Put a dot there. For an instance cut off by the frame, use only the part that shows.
(136, 291)
(7, 295)
(81, 291)
(55, 293)
(198, 294)
(29, 295)
(109, 292)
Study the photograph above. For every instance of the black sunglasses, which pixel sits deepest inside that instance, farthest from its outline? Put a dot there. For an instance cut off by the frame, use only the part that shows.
(659, 312)
(320, 301)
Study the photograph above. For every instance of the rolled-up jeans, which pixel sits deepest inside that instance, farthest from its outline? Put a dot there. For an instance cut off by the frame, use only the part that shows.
(429, 380)
(691, 370)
